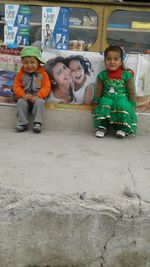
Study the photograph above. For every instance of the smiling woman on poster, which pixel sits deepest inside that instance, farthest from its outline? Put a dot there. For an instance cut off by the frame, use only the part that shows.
(61, 81)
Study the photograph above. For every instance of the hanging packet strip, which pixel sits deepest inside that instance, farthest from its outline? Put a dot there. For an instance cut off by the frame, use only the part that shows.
(55, 28)
(16, 30)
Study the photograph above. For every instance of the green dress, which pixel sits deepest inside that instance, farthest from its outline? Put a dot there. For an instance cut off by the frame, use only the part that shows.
(114, 106)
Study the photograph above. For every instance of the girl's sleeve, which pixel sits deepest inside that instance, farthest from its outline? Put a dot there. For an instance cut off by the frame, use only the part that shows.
(45, 87)
(131, 90)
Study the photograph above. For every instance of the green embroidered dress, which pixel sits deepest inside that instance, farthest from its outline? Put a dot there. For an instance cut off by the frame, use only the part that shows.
(115, 105)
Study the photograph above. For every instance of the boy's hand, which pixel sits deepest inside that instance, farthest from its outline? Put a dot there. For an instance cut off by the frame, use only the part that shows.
(33, 98)
(26, 97)
(30, 98)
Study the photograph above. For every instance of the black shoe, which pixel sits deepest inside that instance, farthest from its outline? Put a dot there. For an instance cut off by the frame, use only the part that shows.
(37, 127)
(21, 128)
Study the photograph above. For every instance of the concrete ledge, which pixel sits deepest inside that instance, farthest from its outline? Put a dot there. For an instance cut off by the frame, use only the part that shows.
(73, 231)
(68, 199)
(67, 118)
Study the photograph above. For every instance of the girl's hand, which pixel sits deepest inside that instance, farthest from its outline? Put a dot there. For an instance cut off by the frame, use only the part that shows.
(94, 105)
(95, 99)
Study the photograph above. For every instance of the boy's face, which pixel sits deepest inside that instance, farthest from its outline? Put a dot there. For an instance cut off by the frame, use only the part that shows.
(30, 64)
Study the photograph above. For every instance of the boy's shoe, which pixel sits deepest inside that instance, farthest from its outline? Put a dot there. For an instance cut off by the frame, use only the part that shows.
(100, 132)
(21, 128)
(120, 134)
(37, 127)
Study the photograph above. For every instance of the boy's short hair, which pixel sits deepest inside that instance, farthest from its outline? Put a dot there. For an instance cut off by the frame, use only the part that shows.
(32, 51)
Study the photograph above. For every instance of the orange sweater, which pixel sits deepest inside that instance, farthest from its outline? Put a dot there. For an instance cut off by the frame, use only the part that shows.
(41, 85)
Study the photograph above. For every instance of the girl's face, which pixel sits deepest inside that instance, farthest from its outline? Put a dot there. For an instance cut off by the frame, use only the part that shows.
(61, 74)
(30, 64)
(77, 71)
(113, 60)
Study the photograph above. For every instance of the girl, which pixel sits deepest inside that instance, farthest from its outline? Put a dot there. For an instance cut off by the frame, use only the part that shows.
(115, 96)
(61, 81)
(81, 70)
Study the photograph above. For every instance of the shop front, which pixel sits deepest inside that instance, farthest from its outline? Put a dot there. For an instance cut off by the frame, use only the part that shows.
(83, 28)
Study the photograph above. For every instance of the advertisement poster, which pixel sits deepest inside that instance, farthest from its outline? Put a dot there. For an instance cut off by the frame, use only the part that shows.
(55, 28)
(77, 86)
(139, 63)
(10, 63)
(143, 83)
(17, 18)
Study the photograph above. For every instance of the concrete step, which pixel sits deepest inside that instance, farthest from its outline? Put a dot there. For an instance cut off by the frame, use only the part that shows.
(68, 118)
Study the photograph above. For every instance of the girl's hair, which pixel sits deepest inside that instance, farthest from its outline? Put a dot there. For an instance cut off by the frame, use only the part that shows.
(51, 63)
(114, 48)
(85, 63)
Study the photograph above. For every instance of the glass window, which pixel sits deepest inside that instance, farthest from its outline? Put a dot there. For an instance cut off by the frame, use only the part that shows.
(82, 27)
(129, 29)
(35, 26)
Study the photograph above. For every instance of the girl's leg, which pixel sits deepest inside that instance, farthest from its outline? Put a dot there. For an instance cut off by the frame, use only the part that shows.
(102, 113)
(124, 118)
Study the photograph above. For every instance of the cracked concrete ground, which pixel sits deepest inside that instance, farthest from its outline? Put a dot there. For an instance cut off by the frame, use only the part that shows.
(70, 162)
(68, 199)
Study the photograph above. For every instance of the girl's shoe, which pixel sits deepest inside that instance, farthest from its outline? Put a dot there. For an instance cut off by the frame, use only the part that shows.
(100, 132)
(120, 134)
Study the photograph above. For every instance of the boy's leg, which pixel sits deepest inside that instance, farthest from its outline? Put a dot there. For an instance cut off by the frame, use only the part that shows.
(22, 112)
(38, 109)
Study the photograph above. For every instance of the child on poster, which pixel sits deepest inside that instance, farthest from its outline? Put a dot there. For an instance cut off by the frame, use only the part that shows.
(48, 36)
(115, 96)
(81, 70)
(31, 87)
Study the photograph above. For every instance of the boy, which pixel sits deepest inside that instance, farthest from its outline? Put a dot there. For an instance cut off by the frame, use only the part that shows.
(31, 87)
